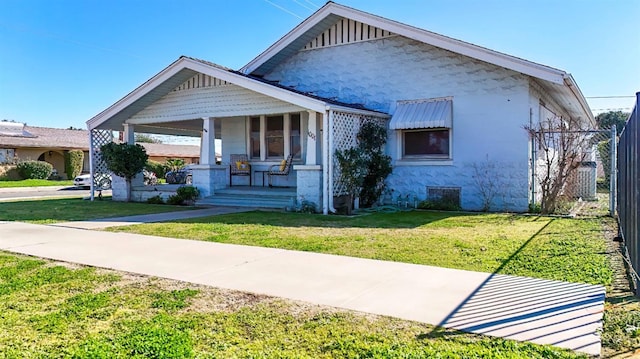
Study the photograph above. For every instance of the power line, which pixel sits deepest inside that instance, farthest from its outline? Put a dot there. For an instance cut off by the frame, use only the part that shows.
(317, 6)
(303, 5)
(284, 9)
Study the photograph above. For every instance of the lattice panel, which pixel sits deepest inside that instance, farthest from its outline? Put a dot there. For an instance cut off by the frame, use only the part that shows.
(345, 135)
(99, 167)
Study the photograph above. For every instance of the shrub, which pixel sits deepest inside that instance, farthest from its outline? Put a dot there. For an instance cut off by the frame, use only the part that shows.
(363, 168)
(159, 168)
(175, 200)
(188, 193)
(155, 200)
(174, 164)
(124, 160)
(34, 169)
(184, 195)
(73, 163)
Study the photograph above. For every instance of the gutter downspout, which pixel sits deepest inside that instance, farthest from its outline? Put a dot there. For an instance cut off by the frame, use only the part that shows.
(534, 156)
(325, 163)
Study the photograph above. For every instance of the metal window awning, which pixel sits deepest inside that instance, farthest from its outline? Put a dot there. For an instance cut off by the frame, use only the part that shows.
(432, 113)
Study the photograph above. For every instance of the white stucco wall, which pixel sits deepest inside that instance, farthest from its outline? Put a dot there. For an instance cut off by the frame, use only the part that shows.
(490, 109)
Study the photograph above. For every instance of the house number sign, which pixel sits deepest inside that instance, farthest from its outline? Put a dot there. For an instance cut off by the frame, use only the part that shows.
(311, 135)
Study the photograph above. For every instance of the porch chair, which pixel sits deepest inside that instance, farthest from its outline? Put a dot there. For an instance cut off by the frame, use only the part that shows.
(281, 169)
(239, 166)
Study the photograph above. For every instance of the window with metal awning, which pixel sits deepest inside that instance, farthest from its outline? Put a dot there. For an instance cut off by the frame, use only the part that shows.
(429, 113)
(424, 128)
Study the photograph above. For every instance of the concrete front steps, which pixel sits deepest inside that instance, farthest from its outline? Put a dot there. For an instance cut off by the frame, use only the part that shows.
(258, 197)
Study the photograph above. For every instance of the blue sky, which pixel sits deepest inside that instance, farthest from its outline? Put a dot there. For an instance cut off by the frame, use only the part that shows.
(64, 61)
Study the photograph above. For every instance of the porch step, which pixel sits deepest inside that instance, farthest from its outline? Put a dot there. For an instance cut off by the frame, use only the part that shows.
(251, 197)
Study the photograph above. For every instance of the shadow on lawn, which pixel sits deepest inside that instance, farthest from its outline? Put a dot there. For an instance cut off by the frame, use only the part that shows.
(527, 309)
(412, 219)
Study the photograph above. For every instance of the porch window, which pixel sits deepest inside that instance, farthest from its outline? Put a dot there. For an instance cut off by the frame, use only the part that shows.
(294, 137)
(275, 137)
(428, 143)
(254, 137)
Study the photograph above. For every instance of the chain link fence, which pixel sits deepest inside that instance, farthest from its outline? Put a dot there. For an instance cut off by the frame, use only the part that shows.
(576, 167)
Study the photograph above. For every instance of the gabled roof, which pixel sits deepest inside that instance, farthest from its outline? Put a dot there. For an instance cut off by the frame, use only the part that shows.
(45, 137)
(555, 80)
(65, 139)
(183, 69)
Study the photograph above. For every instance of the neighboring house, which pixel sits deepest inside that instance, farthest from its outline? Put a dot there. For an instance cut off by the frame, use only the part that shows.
(455, 111)
(19, 142)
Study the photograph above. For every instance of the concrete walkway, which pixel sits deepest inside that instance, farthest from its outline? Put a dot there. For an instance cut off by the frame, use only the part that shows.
(151, 218)
(564, 314)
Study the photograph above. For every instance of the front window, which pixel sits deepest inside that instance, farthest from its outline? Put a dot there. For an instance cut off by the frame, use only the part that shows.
(275, 137)
(426, 143)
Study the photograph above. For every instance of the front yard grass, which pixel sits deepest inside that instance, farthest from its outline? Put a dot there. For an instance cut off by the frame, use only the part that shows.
(33, 183)
(75, 209)
(542, 247)
(58, 310)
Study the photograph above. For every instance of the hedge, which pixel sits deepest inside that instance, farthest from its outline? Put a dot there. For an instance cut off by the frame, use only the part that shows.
(73, 163)
(34, 169)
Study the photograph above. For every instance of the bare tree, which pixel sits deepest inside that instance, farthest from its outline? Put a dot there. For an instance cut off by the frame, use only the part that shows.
(560, 145)
(487, 180)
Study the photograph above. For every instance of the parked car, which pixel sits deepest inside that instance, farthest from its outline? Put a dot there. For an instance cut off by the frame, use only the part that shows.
(181, 176)
(104, 180)
(84, 181)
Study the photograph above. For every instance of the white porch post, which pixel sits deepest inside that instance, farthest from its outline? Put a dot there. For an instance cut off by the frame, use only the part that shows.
(208, 147)
(129, 134)
(312, 138)
(207, 176)
(309, 175)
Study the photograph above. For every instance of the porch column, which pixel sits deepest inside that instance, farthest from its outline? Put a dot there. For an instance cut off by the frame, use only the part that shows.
(129, 134)
(309, 175)
(312, 138)
(207, 176)
(208, 147)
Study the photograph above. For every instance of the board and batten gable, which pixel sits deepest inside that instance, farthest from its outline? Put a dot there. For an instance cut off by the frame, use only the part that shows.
(491, 107)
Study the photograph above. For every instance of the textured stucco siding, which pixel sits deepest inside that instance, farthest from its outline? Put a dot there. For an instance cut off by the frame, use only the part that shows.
(490, 110)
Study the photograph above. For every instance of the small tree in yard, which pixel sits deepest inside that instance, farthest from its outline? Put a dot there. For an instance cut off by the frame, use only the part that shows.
(73, 163)
(364, 168)
(561, 146)
(124, 160)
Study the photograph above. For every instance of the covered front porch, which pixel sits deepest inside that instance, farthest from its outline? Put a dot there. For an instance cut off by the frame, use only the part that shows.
(236, 115)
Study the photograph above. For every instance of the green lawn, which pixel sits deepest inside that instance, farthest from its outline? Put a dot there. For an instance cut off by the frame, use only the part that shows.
(542, 247)
(75, 209)
(54, 311)
(33, 183)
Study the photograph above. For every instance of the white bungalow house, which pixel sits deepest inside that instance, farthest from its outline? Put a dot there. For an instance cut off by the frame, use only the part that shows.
(455, 111)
